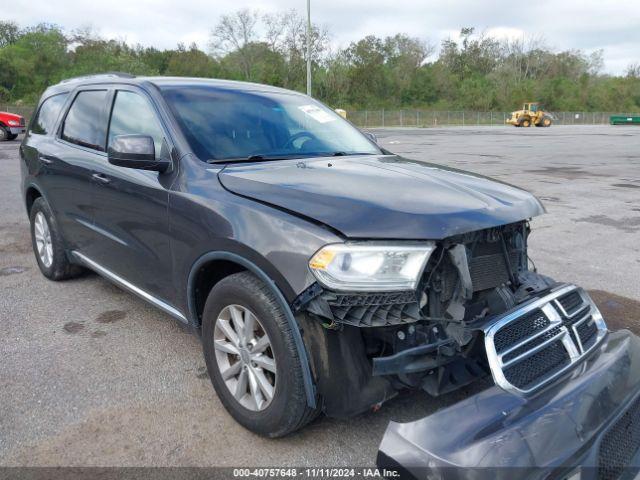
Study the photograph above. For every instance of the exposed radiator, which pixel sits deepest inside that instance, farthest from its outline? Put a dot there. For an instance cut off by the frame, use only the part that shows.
(490, 271)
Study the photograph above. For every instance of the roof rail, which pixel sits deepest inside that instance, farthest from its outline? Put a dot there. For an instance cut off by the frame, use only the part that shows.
(98, 75)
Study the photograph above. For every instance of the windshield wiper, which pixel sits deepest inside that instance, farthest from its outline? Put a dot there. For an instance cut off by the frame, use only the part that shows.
(266, 157)
(344, 154)
(251, 158)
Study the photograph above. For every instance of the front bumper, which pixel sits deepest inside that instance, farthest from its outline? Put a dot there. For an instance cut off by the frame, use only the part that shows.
(17, 130)
(573, 423)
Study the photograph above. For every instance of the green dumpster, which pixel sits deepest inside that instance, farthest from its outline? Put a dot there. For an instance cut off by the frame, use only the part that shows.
(624, 119)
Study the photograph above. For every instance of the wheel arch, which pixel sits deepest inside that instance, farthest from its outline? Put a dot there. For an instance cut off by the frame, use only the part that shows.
(30, 195)
(203, 278)
(228, 264)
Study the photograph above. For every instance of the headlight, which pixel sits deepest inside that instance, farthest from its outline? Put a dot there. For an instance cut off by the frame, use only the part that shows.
(13, 123)
(370, 266)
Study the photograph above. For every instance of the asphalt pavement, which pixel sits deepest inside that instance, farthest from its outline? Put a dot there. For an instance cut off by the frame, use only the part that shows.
(92, 376)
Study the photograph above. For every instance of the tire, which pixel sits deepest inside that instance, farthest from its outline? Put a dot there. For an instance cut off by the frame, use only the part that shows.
(12, 136)
(4, 134)
(50, 254)
(546, 122)
(526, 122)
(287, 410)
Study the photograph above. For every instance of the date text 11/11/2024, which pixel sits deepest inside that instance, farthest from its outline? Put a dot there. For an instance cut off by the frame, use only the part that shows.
(315, 472)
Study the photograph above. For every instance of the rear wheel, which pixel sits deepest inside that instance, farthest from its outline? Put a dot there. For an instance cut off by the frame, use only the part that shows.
(526, 122)
(546, 122)
(252, 358)
(48, 244)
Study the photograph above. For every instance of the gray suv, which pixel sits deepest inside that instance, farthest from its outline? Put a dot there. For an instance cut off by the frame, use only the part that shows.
(323, 272)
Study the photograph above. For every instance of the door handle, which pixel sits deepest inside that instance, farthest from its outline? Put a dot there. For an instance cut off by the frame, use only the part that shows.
(101, 178)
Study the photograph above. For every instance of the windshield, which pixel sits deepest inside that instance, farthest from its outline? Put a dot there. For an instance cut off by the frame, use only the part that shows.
(222, 124)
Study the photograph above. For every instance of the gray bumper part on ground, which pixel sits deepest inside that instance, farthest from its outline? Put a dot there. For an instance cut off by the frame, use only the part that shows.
(590, 419)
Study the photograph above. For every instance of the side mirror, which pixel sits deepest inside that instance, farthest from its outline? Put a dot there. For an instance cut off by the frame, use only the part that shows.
(135, 151)
(370, 135)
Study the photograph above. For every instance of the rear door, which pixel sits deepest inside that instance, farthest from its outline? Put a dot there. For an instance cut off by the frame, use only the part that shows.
(82, 145)
(131, 205)
(67, 162)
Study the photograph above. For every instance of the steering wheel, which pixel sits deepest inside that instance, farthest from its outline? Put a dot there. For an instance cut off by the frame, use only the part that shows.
(296, 136)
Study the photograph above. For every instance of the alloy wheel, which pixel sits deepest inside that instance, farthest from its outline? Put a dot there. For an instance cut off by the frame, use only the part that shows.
(244, 357)
(42, 235)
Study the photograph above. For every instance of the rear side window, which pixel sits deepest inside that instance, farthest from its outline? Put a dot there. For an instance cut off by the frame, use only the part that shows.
(85, 124)
(45, 120)
(133, 115)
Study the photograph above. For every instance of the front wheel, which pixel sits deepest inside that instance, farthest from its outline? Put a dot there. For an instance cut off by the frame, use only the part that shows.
(12, 136)
(252, 358)
(4, 134)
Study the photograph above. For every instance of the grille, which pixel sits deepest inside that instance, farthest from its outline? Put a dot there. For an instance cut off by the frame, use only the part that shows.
(576, 309)
(539, 340)
(571, 302)
(540, 365)
(587, 331)
(520, 329)
(374, 310)
(620, 444)
(535, 343)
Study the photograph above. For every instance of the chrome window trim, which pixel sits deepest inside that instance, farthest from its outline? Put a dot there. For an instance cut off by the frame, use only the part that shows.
(117, 279)
(551, 307)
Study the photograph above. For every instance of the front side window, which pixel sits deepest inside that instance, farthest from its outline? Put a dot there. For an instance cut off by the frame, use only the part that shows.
(85, 124)
(45, 120)
(222, 124)
(132, 115)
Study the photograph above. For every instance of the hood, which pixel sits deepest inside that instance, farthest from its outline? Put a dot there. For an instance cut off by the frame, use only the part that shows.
(10, 116)
(383, 196)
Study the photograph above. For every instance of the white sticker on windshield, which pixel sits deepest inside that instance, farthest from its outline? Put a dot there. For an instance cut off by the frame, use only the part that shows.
(317, 113)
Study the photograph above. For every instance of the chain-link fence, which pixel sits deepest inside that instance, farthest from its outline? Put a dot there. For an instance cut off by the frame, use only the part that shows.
(423, 118)
(430, 118)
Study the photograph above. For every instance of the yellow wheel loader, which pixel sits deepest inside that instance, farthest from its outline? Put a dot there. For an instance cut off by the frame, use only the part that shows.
(532, 113)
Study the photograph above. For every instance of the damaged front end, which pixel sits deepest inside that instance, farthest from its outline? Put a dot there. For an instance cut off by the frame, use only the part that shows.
(479, 311)
(431, 337)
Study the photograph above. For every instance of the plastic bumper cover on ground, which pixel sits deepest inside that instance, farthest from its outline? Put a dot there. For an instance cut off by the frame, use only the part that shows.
(569, 425)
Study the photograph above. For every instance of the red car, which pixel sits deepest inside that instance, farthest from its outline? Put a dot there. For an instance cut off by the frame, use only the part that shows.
(11, 125)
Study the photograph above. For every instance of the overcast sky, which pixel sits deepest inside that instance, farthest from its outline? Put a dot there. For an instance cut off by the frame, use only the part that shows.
(611, 25)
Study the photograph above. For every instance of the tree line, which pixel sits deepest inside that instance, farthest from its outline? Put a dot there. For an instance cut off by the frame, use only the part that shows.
(475, 72)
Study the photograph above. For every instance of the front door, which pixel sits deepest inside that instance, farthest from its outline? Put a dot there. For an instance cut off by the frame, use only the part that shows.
(131, 205)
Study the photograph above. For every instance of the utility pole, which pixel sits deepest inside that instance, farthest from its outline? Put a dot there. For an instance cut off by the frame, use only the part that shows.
(309, 47)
